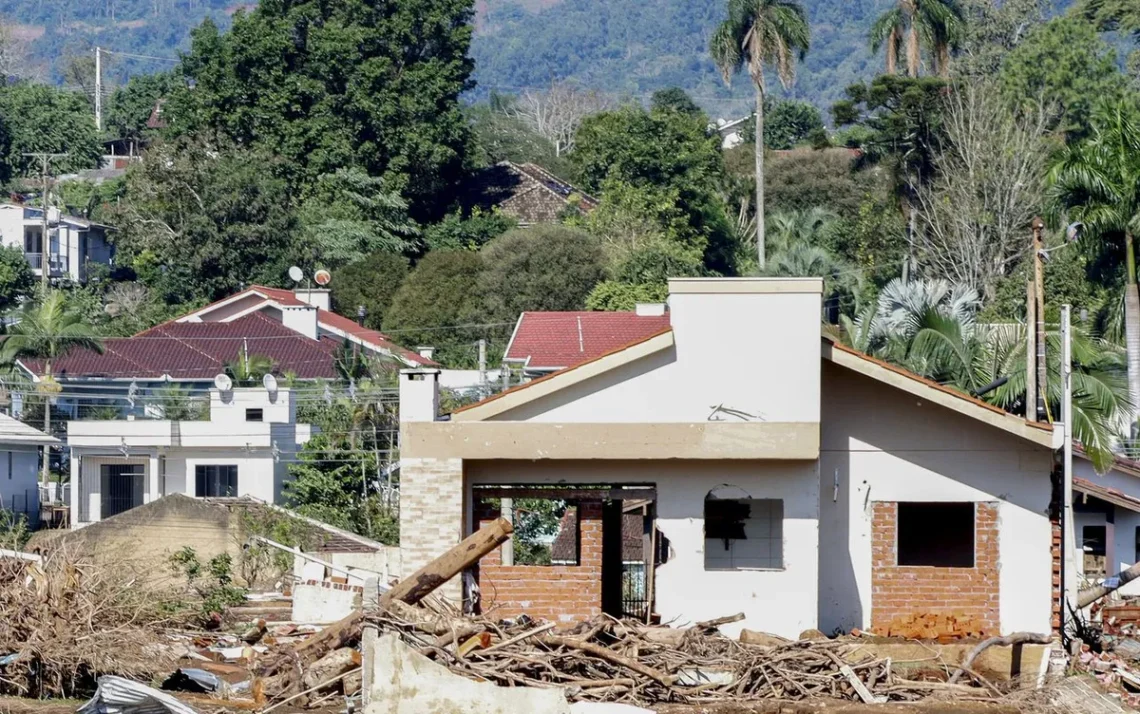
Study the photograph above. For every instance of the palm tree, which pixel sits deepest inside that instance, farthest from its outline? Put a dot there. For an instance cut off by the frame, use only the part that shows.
(48, 330)
(1097, 182)
(940, 24)
(760, 34)
(248, 370)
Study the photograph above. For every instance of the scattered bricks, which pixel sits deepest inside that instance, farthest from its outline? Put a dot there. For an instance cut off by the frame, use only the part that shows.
(934, 602)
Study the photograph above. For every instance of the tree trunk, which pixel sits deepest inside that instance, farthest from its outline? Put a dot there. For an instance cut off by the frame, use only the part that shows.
(893, 51)
(759, 149)
(1132, 326)
(913, 53)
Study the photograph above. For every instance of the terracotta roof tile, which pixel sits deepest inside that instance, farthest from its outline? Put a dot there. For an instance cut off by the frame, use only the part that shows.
(553, 340)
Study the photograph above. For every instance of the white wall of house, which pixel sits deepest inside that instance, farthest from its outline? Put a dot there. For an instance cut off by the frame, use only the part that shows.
(879, 444)
(19, 479)
(76, 243)
(782, 601)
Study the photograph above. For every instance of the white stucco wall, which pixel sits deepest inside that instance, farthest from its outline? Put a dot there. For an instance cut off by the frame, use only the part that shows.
(19, 480)
(779, 601)
(880, 444)
(687, 382)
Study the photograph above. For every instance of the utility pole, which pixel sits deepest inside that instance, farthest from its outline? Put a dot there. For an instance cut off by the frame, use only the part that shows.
(1039, 292)
(45, 160)
(98, 89)
(482, 362)
(1068, 532)
(1030, 350)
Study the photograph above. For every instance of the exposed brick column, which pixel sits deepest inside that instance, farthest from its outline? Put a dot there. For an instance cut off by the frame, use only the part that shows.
(932, 602)
(431, 514)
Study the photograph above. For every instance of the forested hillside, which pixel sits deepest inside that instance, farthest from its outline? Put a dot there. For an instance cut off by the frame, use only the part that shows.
(627, 47)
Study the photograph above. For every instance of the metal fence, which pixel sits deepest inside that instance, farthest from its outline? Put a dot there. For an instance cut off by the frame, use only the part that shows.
(634, 594)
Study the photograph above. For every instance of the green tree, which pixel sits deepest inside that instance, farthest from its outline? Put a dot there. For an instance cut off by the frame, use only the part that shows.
(354, 83)
(761, 35)
(47, 330)
(540, 268)
(1097, 182)
(939, 24)
(787, 124)
(41, 118)
(456, 232)
(350, 215)
(436, 302)
(674, 99)
(16, 279)
(130, 106)
(195, 223)
(247, 370)
(1063, 62)
(371, 282)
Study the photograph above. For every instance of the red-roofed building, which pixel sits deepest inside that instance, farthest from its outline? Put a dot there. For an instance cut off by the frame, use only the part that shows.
(545, 342)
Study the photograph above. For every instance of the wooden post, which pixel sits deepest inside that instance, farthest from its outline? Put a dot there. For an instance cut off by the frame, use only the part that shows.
(1030, 350)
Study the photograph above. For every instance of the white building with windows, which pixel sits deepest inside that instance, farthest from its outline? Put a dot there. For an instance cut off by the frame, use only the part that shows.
(20, 446)
(73, 243)
(243, 449)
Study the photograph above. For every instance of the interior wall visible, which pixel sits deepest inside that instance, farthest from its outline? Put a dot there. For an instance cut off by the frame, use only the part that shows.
(782, 601)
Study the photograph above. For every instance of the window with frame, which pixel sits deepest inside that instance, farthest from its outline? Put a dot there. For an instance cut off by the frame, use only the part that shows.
(743, 534)
(1094, 544)
(937, 535)
(216, 480)
(254, 414)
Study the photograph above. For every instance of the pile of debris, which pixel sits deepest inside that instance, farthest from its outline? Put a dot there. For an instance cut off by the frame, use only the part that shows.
(64, 621)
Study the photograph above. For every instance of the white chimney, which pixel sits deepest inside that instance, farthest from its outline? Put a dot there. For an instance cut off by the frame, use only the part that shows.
(650, 309)
(425, 351)
(302, 319)
(419, 394)
(317, 297)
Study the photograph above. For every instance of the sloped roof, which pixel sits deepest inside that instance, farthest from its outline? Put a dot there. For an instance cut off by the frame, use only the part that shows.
(555, 340)
(1112, 495)
(16, 432)
(198, 351)
(527, 192)
(328, 321)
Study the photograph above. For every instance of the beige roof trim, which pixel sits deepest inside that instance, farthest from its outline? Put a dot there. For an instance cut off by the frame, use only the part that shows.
(564, 379)
(1010, 423)
(719, 286)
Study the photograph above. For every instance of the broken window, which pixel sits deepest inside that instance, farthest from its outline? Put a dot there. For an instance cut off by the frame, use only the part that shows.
(935, 534)
(1094, 543)
(744, 533)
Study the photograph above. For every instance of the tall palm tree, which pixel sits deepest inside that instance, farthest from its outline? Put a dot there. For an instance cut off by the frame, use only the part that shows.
(939, 24)
(48, 330)
(1097, 182)
(247, 370)
(758, 35)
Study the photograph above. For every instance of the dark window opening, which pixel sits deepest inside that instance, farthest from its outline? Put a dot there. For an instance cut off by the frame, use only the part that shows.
(1137, 560)
(216, 481)
(254, 415)
(1094, 543)
(936, 534)
(744, 533)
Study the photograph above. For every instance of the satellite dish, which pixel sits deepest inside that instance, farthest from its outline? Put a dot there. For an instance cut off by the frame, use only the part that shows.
(322, 277)
(223, 382)
(296, 274)
(269, 382)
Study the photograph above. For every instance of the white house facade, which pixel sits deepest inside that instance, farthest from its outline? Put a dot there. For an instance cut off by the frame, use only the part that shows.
(73, 243)
(242, 450)
(20, 447)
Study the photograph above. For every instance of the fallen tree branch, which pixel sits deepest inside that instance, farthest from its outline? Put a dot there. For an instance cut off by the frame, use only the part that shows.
(1017, 638)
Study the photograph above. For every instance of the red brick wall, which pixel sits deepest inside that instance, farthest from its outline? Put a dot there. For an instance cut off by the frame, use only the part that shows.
(559, 593)
(934, 602)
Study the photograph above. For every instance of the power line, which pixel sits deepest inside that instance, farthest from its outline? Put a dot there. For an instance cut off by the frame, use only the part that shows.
(142, 57)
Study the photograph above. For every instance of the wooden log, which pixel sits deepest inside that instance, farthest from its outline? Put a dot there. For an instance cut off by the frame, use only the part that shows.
(468, 552)
(519, 638)
(1089, 596)
(1017, 638)
(751, 637)
(334, 663)
(713, 624)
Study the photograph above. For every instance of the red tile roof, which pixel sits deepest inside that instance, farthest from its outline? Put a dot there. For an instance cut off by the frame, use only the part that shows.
(198, 351)
(553, 340)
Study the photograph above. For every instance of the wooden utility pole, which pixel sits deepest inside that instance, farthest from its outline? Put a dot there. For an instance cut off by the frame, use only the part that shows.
(98, 89)
(1030, 350)
(1039, 316)
(45, 160)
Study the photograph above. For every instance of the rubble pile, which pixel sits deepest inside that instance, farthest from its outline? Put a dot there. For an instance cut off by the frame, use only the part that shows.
(65, 621)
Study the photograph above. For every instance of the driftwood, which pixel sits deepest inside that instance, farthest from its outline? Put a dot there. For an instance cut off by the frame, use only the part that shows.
(1017, 638)
(1089, 596)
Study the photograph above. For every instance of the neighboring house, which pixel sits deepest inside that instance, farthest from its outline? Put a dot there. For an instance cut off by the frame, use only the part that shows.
(73, 242)
(545, 342)
(20, 467)
(1106, 520)
(243, 449)
(731, 131)
(803, 484)
(302, 339)
(526, 192)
